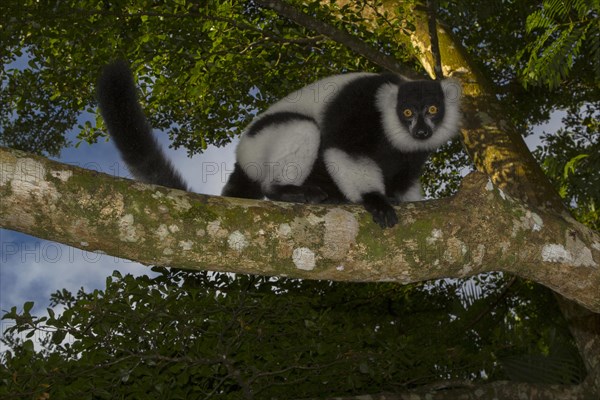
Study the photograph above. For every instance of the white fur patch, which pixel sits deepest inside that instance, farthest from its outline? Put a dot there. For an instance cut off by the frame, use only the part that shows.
(413, 193)
(354, 176)
(282, 153)
(386, 100)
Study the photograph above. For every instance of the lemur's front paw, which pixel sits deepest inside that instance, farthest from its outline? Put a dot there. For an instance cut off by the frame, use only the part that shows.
(380, 208)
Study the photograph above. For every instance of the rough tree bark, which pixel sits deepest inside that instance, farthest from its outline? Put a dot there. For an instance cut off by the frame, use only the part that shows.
(452, 237)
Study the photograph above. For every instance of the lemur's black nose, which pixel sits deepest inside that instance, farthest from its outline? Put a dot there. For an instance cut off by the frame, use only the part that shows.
(422, 134)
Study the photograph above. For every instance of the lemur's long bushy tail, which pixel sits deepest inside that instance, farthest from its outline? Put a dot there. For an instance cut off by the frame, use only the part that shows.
(130, 129)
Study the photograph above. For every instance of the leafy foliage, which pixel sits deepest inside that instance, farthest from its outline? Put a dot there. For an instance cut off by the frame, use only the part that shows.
(566, 32)
(571, 158)
(203, 70)
(197, 335)
(495, 35)
(500, 36)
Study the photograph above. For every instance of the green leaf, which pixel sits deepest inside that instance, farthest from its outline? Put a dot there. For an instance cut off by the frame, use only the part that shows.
(28, 346)
(58, 336)
(570, 166)
(364, 368)
(27, 307)
(12, 314)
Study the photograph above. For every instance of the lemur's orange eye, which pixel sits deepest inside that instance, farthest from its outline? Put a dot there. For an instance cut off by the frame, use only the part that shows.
(407, 113)
(432, 110)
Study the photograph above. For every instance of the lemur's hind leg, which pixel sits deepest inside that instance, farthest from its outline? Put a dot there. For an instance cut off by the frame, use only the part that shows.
(240, 185)
(275, 156)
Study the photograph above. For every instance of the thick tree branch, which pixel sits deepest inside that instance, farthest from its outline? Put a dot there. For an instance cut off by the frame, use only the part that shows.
(479, 230)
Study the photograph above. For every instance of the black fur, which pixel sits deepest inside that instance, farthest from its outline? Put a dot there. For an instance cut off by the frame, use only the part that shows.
(276, 119)
(239, 184)
(130, 130)
(380, 208)
(360, 132)
(419, 94)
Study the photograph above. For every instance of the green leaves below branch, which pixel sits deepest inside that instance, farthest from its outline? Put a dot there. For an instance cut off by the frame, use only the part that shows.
(543, 368)
(182, 335)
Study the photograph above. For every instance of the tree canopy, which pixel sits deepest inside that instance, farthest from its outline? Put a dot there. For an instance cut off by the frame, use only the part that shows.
(204, 69)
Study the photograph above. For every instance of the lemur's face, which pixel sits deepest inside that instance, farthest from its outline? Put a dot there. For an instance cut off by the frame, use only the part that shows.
(420, 107)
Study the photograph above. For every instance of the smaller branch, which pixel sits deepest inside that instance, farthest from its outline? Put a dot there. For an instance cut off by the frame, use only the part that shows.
(237, 376)
(358, 46)
(380, 16)
(433, 38)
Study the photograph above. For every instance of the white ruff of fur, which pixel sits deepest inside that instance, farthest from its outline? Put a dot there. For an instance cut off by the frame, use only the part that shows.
(400, 138)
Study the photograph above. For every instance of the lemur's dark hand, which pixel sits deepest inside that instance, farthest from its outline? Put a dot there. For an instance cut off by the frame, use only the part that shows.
(380, 208)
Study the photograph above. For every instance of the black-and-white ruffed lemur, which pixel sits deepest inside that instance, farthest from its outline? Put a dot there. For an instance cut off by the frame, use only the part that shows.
(358, 137)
